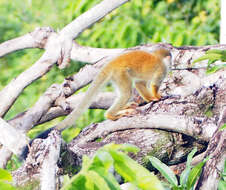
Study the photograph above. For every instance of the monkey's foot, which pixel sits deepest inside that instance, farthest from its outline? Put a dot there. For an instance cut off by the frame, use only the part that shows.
(131, 105)
(123, 113)
(111, 117)
(157, 97)
(127, 113)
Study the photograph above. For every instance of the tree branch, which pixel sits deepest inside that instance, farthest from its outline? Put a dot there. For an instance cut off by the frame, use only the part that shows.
(49, 166)
(9, 136)
(216, 150)
(85, 20)
(35, 39)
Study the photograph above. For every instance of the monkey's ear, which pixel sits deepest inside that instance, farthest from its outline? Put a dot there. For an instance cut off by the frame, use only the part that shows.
(25, 149)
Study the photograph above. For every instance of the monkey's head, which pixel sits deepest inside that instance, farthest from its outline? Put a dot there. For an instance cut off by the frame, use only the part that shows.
(165, 55)
(162, 52)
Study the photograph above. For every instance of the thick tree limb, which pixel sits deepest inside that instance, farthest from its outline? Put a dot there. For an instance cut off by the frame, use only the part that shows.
(217, 152)
(49, 166)
(85, 20)
(42, 162)
(58, 48)
(15, 87)
(9, 136)
(192, 104)
(35, 39)
(77, 82)
(185, 112)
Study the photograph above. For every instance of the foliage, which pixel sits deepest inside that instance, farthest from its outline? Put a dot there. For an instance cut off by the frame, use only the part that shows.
(5, 178)
(179, 22)
(223, 127)
(188, 177)
(212, 56)
(95, 172)
(222, 182)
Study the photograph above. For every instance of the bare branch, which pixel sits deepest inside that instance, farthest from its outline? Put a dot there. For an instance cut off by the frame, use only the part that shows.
(72, 30)
(92, 55)
(35, 39)
(49, 166)
(165, 121)
(57, 48)
(41, 161)
(217, 152)
(85, 20)
(5, 156)
(15, 87)
(10, 137)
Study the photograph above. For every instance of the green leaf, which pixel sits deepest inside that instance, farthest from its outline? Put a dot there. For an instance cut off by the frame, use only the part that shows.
(215, 68)
(164, 170)
(133, 172)
(208, 56)
(6, 186)
(77, 182)
(185, 173)
(5, 175)
(66, 180)
(86, 161)
(214, 51)
(211, 61)
(195, 173)
(222, 185)
(97, 180)
(190, 156)
(223, 127)
(109, 178)
(102, 159)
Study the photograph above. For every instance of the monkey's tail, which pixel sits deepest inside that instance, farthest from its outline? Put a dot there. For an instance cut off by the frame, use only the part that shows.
(90, 94)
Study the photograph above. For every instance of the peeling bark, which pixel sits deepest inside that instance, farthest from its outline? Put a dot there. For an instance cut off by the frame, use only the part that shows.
(41, 162)
(217, 153)
(190, 112)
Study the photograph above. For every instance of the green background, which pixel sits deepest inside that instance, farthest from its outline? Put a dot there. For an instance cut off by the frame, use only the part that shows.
(179, 22)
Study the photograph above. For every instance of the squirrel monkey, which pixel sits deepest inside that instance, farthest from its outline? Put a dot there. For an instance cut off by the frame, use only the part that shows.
(147, 70)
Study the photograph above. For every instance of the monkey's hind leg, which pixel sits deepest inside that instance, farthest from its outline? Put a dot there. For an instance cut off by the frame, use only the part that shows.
(154, 87)
(142, 89)
(124, 84)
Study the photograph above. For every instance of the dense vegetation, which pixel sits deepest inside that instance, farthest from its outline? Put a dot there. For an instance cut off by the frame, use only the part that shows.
(179, 22)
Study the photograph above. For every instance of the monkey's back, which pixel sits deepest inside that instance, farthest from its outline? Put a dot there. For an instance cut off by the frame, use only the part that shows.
(139, 64)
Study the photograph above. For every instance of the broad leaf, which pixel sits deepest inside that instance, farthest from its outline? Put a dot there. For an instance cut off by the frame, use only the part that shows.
(195, 173)
(185, 173)
(208, 56)
(102, 159)
(215, 68)
(77, 182)
(5, 175)
(6, 186)
(164, 170)
(97, 180)
(109, 178)
(222, 185)
(223, 127)
(133, 172)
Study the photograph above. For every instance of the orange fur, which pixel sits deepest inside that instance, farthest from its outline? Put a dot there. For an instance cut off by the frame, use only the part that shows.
(147, 70)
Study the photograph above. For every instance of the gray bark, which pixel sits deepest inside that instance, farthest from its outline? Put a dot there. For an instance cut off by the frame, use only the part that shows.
(168, 129)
